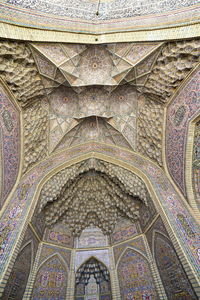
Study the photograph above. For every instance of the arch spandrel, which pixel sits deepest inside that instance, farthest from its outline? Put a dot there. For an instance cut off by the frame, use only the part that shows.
(164, 195)
(51, 279)
(132, 266)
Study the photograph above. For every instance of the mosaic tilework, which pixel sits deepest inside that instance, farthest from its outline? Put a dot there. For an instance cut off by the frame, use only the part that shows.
(49, 250)
(147, 213)
(68, 15)
(196, 164)
(180, 111)
(91, 237)
(30, 236)
(18, 278)
(175, 281)
(158, 225)
(109, 9)
(51, 280)
(9, 143)
(96, 129)
(15, 215)
(100, 255)
(109, 65)
(59, 234)
(124, 229)
(116, 122)
(137, 244)
(38, 223)
(135, 278)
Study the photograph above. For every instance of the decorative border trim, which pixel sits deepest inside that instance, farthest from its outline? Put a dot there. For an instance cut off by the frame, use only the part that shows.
(11, 31)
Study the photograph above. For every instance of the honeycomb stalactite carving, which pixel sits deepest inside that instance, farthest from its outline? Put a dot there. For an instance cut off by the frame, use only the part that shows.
(150, 122)
(18, 69)
(35, 119)
(92, 193)
(172, 66)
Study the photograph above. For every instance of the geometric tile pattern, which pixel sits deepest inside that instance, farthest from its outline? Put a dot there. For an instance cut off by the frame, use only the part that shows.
(108, 65)
(96, 129)
(69, 107)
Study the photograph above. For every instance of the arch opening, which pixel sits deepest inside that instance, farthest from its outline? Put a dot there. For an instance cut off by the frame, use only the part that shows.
(93, 280)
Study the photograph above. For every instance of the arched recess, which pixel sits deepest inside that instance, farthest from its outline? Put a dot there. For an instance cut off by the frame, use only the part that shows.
(192, 167)
(18, 278)
(93, 280)
(51, 279)
(166, 199)
(180, 111)
(174, 278)
(135, 278)
(10, 144)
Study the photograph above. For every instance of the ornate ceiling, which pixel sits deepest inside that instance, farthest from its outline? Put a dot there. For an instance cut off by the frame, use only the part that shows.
(99, 16)
(92, 193)
(114, 94)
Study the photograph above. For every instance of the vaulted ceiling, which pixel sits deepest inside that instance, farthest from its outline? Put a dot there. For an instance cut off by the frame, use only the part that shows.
(92, 193)
(113, 94)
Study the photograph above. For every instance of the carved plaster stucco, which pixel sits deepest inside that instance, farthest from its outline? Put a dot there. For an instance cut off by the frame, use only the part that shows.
(92, 193)
(16, 214)
(80, 81)
(35, 122)
(106, 81)
(18, 69)
(173, 64)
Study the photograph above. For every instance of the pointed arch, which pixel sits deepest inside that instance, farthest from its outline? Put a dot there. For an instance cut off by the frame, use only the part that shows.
(18, 278)
(173, 276)
(51, 278)
(32, 251)
(165, 196)
(155, 231)
(131, 248)
(191, 187)
(132, 267)
(93, 278)
(88, 258)
(51, 256)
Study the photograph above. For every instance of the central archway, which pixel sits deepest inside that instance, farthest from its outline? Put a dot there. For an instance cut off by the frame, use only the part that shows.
(164, 195)
(93, 280)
